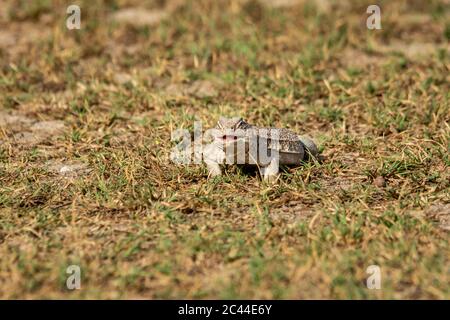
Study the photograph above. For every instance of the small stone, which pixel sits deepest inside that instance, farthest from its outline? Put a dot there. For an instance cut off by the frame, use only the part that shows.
(7, 119)
(199, 89)
(281, 3)
(27, 138)
(440, 213)
(123, 78)
(202, 89)
(49, 127)
(379, 182)
(139, 17)
(68, 169)
(176, 90)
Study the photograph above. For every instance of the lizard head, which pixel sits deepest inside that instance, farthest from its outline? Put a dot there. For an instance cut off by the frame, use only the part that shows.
(229, 130)
(234, 123)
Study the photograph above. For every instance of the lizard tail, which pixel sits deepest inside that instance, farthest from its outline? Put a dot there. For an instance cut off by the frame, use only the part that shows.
(310, 146)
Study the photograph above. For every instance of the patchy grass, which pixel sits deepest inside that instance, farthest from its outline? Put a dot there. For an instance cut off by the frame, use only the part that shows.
(85, 123)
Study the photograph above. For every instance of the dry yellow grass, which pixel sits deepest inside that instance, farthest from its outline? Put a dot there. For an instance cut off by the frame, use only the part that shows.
(85, 123)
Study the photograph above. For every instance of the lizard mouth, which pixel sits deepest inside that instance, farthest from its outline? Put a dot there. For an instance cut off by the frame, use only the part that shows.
(227, 137)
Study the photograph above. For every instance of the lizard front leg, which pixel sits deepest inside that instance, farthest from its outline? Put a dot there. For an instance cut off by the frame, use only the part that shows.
(213, 157)
(214, 169)
(270, 171)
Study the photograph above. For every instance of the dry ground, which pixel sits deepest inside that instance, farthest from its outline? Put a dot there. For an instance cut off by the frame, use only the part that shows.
(85, 123)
